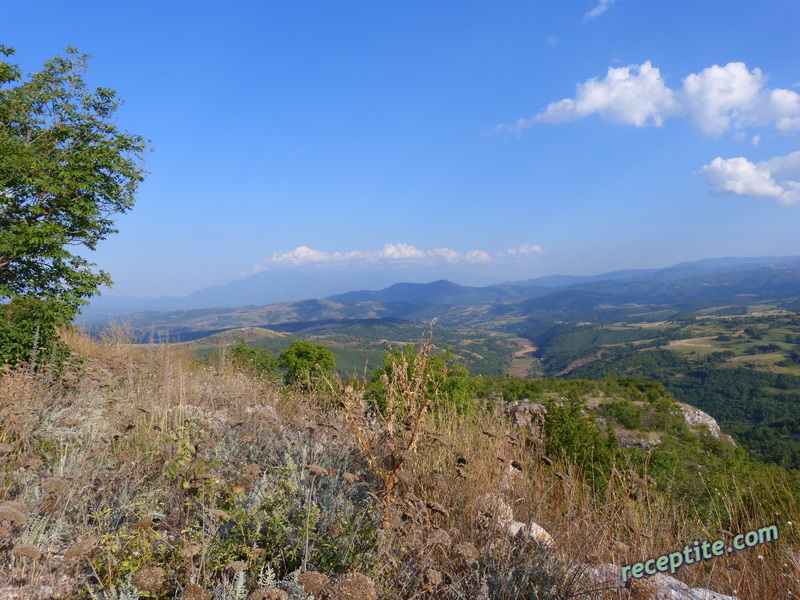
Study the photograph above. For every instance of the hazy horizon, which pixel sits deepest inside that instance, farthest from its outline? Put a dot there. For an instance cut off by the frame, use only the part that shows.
(339, 280)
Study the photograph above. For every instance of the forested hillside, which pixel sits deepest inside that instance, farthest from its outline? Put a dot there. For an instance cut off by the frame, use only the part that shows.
(742, 370)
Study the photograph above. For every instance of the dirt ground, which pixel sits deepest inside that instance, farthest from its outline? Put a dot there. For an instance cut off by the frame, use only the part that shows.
(523, 360)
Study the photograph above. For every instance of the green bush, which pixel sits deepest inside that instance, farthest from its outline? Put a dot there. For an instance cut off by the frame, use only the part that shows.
(304, 363)
(572, 433)
(257, 361)
(29, 331)
(625, 412)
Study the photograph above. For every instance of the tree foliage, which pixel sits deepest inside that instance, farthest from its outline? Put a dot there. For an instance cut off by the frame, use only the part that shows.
(28, 331)
(258, 361)
(65, 170)
(304, 362)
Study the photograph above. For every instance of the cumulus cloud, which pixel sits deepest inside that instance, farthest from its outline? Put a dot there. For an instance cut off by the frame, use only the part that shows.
(304, 255)
(715, 100)
(776, 178)
(477, 257)
(632, 95)
(598, 10)
(718, 97)
(740, 177)
(785, 105)
(399, 253)
(784, 167)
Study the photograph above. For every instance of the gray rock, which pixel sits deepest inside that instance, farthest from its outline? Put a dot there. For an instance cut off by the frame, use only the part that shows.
(694, 417)
(667, 588)
(501, 514)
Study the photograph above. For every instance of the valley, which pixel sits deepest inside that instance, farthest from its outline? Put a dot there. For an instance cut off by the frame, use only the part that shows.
(723, 336)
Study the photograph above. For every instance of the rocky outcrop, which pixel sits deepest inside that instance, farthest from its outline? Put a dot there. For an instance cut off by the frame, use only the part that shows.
(525, 413)
(530, 414)
(695, 417)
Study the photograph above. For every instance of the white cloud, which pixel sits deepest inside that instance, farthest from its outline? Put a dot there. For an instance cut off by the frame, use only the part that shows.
(740, 177)
(448, 255)
(715, 100)
(477, 257)
(719, 96)
(785, 106)
(634, 95)
(305, 255)
(524, 249)
(602, 6)
(784, 167)
(399, 253)
(776, 178)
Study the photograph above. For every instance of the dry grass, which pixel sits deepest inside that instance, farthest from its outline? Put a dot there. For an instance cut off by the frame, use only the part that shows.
(152, 469)
(459, 466)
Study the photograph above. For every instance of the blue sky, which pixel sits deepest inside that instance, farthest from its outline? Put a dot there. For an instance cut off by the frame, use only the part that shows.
(474, 141)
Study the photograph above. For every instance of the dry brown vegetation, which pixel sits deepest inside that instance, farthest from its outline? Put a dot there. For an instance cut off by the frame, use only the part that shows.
(141, 472)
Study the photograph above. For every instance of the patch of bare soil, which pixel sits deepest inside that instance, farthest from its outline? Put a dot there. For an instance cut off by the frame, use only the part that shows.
(700, 342)
(522, 361)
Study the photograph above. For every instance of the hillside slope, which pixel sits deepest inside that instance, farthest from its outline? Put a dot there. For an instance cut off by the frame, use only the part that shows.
(143, 473)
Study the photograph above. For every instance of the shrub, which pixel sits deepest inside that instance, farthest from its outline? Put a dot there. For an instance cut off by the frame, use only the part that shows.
(625, 412)
(574, 435)
(305, 362)
(29, 330)
(256, 361)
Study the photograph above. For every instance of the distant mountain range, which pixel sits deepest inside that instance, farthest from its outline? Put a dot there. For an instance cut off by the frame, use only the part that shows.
(441, 292)
(259, 289)
(617, 283)
(270, 287)
(679, 271)
(620, 295)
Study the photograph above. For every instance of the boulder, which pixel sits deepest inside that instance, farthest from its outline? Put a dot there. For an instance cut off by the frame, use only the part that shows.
(665, 587)
(498, 512)
(694, 417)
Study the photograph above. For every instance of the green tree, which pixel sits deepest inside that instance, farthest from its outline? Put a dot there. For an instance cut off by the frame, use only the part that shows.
(257, 361)
(65, 170)
(574, 434)
(304, 362)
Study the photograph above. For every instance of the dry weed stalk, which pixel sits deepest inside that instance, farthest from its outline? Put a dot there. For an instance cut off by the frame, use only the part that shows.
(410, 388)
